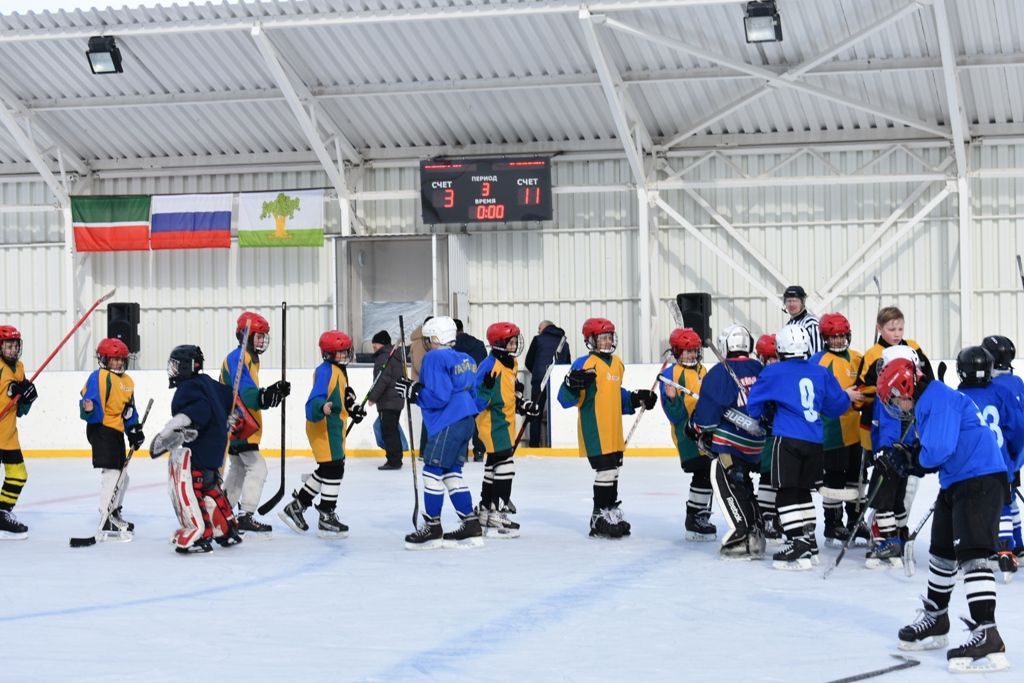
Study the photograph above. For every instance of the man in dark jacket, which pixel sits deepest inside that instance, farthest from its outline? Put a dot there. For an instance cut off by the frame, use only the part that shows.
(475, 349)
(387, 367)
(538, 358)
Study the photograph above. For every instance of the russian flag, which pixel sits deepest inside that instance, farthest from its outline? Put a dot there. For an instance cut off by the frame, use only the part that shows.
(191, 221)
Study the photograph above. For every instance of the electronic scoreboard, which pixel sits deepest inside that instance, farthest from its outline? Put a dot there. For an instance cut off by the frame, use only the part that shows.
(476, 190)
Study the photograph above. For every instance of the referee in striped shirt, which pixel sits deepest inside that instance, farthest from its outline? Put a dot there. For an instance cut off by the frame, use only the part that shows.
(795, 299)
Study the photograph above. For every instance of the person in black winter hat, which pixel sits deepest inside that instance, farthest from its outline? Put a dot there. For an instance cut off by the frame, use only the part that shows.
(387, 367)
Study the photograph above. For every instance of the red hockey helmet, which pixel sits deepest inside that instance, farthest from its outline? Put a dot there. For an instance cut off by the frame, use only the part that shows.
(898, 379)
(501, 335)
(593, 328)
(765, 347)
(835, 325)
(9, 333)
(112, 348)
(685, 339)
(257, 325)
(333, 341)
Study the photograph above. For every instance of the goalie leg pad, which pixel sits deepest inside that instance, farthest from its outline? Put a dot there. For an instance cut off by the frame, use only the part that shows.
(191, 515)
(735, 494)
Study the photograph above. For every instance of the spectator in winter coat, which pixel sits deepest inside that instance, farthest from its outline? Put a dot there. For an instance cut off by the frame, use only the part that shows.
(538, 358)
(387, 367)
(475, 349)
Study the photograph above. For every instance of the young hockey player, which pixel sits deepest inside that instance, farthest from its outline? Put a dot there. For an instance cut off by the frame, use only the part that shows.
(594, 386)
(108, 407)
(500, 396)
(737, 452)
(956, 442)
(799, 393)
(891, 502)
(247, 470)
(689, 371)
(202, 416)
(766, 352)
(842, 455)
(13, 386)
(446, 395)
(331, 402)
(1003, 353)
(1005, 417)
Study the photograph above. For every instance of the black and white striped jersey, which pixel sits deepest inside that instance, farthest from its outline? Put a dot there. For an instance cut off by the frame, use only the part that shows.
(810, 324)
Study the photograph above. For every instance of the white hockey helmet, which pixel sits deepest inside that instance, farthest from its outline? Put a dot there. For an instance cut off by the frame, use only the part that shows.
(736, 339)
(440, 330)
(792, 341)
(891, 353)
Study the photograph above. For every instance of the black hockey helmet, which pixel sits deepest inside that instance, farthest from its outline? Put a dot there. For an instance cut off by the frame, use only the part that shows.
(184, 363)
(1002, 349)
(974, 366)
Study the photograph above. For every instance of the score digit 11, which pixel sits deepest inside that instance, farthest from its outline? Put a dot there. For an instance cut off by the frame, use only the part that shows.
(527, 196)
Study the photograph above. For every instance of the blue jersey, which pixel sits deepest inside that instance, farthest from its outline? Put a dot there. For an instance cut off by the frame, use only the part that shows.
(801, 391)
(1003, 416)
(1012, 382)
(207, 403)
(718, 391)
(955, 439)
(887, 430)
(449, 388)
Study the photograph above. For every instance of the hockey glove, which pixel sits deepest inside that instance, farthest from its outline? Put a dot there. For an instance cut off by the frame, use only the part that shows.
(357, 413)
(520, 389)
(893, 462)
(135, 437)
(350, 398)
(271, 397)
(25, 389)
(528, 408)
(578, 380)
(489, 380)
(704, 443)
(691, 431)
(643, 397)
(408, 389)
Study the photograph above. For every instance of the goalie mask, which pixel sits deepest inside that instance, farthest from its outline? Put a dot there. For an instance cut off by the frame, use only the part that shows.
(184, 363)
(336, 347)
(686, 346)
(440, 330)
(599, 336)
(835, 330)
(259, 332)
(1002, 350)
(736, 341)
(10, 343)
(112, 349)
(974, 366)
(505, 337)
(896, 385)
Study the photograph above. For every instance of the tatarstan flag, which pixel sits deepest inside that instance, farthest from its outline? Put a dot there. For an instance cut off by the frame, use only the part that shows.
(111, 223)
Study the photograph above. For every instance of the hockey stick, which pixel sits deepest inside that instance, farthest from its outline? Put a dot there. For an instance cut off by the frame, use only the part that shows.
(909, 561)
(366, 398)
(941, 372)
(744, 392)
(1020, 270)
(643, 409)
(741, 420)
(14, 399)
(864, 511)
(276, 498)
(543, 392)
(905, 663)
(91, 540)
(408, 414)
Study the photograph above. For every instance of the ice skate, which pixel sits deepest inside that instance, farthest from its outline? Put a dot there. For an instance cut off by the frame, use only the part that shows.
(886, 553)
(329, 526)
(929, 632)
(427, 537)
(10, 528)
(468, 535)
(602, 526)
(984, 652)
(498, 524)
(699, 527)
(291, 515)
(250, 527)
(794, 556)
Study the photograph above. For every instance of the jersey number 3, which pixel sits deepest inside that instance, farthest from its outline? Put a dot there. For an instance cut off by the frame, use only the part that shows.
(990, 418)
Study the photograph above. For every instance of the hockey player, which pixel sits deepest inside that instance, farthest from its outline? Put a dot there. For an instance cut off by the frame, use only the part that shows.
(12, 384)
(108, 408)
(247, 470)
(842, 455)
(1003, 353)
(201, 418)
(766, 352)
(446, 395)
(500, 396)
(594, 386)
(794, 299)
(689, 371)
(330, 403)
(737, 453)
(799, 393)
(1005, 417)
(956, 442)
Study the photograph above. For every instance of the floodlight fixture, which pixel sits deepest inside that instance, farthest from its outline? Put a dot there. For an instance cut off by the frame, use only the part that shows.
(762, 23)
(104, 57)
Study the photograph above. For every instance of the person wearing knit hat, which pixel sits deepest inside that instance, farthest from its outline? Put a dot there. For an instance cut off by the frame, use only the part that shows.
(387, 367)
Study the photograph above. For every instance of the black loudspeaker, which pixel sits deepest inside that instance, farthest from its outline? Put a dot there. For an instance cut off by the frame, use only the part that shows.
(696, 310)
(123, 324)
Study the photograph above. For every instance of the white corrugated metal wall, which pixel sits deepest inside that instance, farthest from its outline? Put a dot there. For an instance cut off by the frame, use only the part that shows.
(584, 263)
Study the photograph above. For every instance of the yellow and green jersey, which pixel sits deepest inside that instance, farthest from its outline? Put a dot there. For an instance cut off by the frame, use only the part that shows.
(326, 433)
(679, 409)
(248, 389)
(601, 405)
(9, 425)
(844, 366)
(111, 395)
(496, 422)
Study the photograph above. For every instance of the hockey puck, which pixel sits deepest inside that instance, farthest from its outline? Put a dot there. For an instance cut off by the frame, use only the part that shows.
(83, 542)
